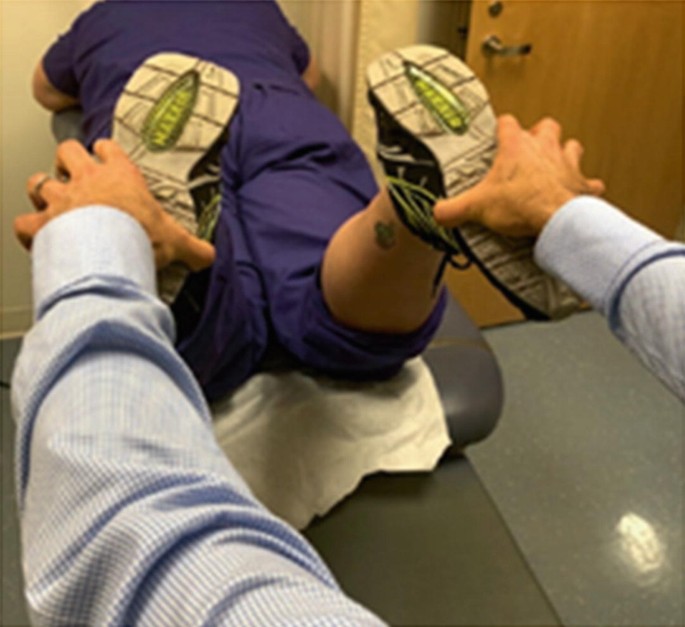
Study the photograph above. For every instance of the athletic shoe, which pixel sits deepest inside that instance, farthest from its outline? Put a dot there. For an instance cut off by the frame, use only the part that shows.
(172, 120)
(436, 139)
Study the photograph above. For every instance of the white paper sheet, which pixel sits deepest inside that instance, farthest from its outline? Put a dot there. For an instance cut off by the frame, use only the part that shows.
(304, 443)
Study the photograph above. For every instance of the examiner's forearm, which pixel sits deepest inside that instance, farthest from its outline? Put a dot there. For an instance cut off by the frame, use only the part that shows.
(130, 512)
(627, 272)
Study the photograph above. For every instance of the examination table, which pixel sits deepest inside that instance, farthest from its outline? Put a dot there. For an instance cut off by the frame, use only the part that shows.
(419, 549)
(404, 545)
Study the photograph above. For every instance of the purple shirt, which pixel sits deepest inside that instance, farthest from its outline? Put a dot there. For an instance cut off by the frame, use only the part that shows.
(106, 43)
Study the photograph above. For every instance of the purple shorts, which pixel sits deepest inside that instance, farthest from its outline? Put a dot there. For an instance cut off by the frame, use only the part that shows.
(291, 177)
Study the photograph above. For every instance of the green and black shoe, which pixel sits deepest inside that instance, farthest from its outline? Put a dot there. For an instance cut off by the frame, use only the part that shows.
(436, 139)
(172, 120)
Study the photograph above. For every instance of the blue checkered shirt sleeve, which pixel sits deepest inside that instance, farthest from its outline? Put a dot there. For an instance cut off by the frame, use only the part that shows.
(130, 513)
(627, 272)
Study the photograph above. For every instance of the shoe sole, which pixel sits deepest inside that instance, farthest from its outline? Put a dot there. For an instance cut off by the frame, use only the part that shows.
(171, 120)
(437, 100)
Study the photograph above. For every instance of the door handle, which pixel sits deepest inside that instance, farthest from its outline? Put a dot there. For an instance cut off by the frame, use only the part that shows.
(493, 46)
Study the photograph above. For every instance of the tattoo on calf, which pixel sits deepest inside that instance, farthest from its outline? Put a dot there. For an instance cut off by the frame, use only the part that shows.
(385, 235)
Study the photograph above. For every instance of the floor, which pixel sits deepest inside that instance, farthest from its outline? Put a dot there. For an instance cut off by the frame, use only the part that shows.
(586, 468)
(12, 611)
(571, 513)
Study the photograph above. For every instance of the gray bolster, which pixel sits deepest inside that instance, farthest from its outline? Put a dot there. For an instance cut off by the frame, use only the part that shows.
(467, 376)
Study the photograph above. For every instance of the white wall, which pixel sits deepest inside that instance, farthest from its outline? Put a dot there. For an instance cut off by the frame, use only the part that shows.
(345, 36)
(330, 28)
(27, 27)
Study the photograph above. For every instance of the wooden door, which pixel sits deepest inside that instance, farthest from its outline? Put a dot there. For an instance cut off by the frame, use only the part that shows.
(612, 73)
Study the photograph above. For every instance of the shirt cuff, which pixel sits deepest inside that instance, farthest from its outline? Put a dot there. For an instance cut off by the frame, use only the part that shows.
(590, 245)
(91, 243)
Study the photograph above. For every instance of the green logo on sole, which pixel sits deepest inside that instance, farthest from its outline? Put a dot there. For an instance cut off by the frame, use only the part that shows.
(167, 119)
(445, 107)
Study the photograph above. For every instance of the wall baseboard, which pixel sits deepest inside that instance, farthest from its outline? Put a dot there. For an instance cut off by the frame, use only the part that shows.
(15, 321)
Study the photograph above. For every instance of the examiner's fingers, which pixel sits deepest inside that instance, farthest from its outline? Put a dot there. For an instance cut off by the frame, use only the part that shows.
(573, 151)
(456, 211)
(197, 254)
(72, 157)
(547, 129)
(40, 188)
(27, 225)
(507, 127)
(596, 187)
(107, 150)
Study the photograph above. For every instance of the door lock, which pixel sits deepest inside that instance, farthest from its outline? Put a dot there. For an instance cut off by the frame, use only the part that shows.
(493, 46)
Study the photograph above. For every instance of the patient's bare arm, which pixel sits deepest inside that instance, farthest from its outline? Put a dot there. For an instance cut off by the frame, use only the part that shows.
(47, 95)
(112, 180)
(312, 75)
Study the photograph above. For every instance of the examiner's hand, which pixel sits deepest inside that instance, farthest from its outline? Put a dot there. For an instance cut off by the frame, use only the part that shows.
(532, 176)
(112, 180)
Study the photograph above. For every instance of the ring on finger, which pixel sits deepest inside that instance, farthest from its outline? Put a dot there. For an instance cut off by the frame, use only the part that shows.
(39, 185)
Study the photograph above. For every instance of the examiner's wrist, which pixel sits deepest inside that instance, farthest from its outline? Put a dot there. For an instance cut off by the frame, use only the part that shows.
(553, 203)
(556, 200)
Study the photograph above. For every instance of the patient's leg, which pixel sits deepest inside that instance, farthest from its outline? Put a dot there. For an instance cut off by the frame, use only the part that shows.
(436, 133)
(376, 275)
